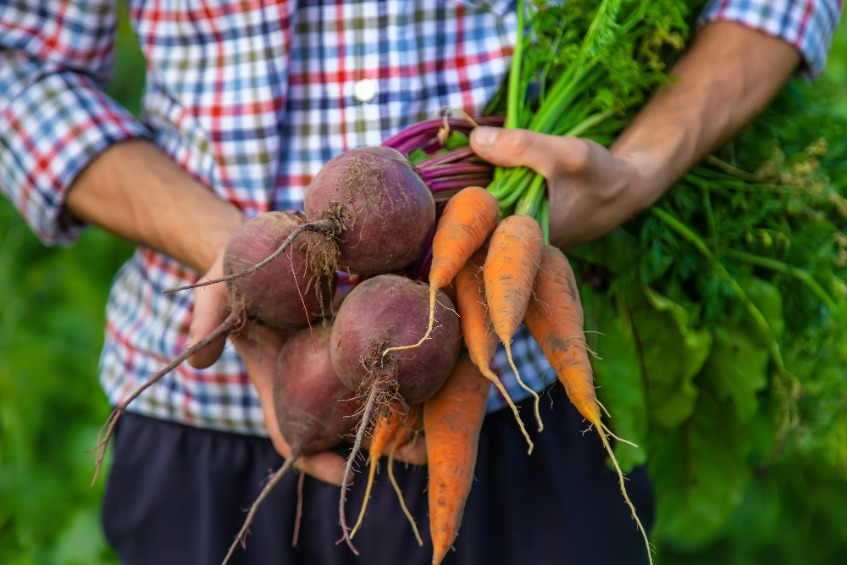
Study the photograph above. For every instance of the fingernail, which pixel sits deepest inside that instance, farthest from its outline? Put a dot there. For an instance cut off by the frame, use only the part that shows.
(484, 135)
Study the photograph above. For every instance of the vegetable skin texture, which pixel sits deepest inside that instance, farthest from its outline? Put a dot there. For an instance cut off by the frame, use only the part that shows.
(314, 409)
(468, 219)
(386, 310)
(452, 424)
(285, 296)
(383, 205)
(554, 318)
(512, 261)
(287, 293)
(477, 329)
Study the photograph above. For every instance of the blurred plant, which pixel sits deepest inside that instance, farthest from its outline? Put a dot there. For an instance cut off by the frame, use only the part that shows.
(51, 405)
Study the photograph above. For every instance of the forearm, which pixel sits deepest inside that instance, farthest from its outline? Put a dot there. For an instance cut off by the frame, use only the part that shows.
(727, 77)
(137, 192)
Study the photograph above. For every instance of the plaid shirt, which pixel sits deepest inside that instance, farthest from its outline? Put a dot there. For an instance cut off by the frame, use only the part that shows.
(252, 97)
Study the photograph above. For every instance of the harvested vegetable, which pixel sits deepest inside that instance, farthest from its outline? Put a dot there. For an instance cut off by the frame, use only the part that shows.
(555, 320)
(381, 209)
(452, 423)
(477, 329)
(466, 222)
(512, 261)
(314, 409)
(284, 297)
(378, 313)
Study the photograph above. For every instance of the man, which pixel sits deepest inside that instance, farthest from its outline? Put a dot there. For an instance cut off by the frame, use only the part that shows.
(244, 102)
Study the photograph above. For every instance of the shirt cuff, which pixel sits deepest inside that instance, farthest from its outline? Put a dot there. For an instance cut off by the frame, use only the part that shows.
(807, 24)
(50, 132)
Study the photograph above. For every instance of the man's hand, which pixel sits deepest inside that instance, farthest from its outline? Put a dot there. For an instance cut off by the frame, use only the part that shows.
(729, 74)
(591, 191)
(258, 347)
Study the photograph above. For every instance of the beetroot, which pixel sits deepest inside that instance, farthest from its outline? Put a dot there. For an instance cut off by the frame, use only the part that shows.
(369, 212)
(286, 293)
(387, 311)
(314, 409)
(383, 204)
(381, 312)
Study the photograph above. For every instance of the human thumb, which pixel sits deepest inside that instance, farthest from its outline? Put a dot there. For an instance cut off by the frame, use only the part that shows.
(515, 147)
(207, 316)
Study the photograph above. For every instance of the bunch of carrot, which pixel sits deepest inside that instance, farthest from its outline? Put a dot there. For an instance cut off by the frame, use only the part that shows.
(503, 275)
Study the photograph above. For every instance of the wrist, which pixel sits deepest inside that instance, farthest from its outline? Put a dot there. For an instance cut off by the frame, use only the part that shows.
(647, 181)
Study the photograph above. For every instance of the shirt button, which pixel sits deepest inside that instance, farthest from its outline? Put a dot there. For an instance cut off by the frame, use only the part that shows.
(364, 90)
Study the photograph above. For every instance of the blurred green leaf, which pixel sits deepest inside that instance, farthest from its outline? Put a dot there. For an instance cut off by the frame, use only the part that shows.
(672, 353)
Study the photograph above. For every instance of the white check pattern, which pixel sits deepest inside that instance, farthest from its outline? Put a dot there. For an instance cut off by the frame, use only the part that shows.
(252, 97)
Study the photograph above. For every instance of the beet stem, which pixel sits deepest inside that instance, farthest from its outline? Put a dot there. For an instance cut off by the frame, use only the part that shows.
(348, 469)
(231, 322)
(326, 226)
(241, 538)
(456, 155)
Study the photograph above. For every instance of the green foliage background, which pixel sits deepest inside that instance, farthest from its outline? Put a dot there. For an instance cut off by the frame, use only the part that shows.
(51, 328)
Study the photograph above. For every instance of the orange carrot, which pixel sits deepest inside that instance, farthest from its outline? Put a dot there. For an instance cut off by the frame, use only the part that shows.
(389, 433)
(466, 222)
(477, 329)
(383, 433)
(452, 423)
(554, 318)
(406, 433)
(514, 255)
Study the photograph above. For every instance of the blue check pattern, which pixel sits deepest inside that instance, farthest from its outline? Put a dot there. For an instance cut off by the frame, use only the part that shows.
(252, 97)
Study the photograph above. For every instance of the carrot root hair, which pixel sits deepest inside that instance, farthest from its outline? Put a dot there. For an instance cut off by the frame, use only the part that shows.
(604, 432)
(523, 385)
(433, 292)
(385, 429)
(488, 374)
(373, 464)
(400, 498)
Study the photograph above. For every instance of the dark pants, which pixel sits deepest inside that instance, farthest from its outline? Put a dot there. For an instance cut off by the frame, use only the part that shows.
(177, 495)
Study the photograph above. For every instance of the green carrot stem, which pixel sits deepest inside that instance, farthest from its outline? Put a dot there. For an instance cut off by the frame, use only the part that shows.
(530, 202)
(671, 221)
(544, 219)
(517, 191)
(516, 93)
(590, 123)
(785, 269)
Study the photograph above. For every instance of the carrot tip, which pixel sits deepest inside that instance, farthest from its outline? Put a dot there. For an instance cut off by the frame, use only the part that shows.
(488, 374)
(525, 387)
(604, 432)
(402, 500)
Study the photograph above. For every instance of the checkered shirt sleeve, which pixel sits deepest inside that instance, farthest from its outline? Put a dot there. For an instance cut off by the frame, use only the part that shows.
(54, 117)
(807, 24)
